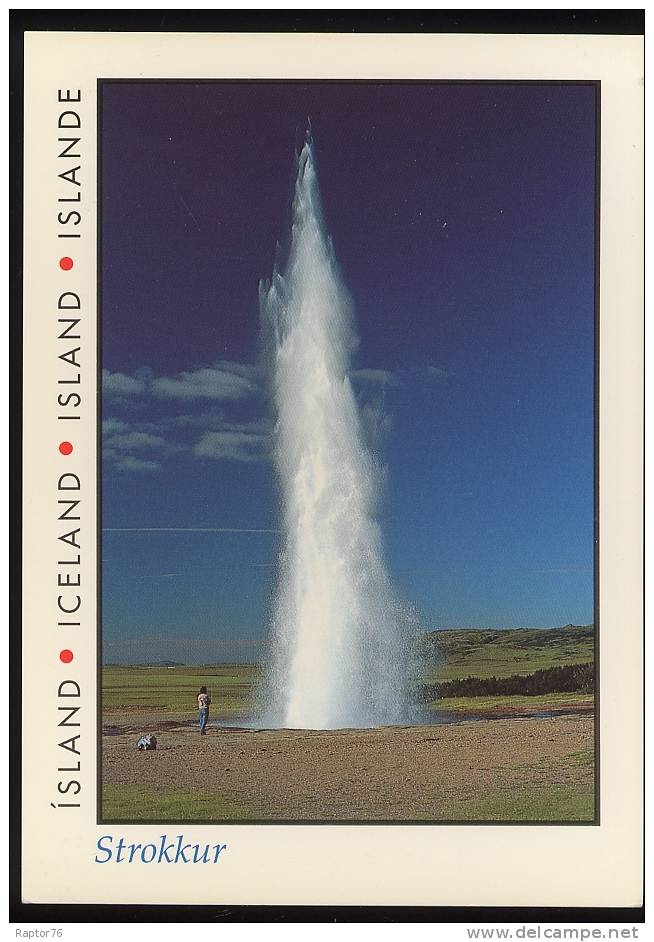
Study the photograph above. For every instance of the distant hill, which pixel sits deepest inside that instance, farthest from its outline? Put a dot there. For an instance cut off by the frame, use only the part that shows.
(479, 652)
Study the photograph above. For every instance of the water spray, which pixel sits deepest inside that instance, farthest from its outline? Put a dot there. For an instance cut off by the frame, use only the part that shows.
(338, 640)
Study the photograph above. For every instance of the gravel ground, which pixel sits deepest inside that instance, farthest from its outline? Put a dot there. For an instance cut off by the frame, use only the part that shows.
(371, 774)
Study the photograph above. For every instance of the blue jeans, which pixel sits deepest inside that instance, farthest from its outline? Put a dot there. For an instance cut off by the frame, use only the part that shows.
(203, 716)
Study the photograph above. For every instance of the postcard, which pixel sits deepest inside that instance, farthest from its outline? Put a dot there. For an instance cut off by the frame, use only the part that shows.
(332, 536)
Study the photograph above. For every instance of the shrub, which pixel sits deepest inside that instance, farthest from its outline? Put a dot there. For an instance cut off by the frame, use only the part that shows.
(574, 678)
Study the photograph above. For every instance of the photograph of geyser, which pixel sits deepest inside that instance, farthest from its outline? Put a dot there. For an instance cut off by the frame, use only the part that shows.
(339, 635)
(347, 476)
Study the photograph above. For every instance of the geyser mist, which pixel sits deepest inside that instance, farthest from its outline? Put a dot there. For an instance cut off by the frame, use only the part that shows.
(338, 655)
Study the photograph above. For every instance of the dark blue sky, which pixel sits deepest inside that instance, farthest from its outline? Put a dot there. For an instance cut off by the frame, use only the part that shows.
(463, 220)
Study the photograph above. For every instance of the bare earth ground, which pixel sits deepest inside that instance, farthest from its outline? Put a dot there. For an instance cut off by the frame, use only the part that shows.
(496, 769)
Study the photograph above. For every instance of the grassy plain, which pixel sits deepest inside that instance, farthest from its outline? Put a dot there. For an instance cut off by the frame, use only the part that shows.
(504, 758)
(447, 655)
(174, 689)
(453, 655)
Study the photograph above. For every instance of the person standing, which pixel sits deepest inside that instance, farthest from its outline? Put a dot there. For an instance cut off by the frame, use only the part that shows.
(203, 707)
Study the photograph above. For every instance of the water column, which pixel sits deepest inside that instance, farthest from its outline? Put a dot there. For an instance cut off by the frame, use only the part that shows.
(337, 657)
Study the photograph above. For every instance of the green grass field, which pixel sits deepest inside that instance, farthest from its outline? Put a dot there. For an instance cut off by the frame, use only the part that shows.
(538, 803)
(447, 655)
(452, 655)
(141, 803)
(174, 689)
(545, 701)
(545, 803)
(513, 770)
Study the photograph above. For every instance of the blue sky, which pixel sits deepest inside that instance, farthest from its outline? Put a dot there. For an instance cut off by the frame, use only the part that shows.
(463, 220)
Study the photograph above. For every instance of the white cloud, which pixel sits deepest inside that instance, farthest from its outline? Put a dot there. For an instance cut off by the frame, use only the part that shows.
(131, 463)
(232, 445)
(226, 381)
(248, 370)
(379, 377)
(131, 440)
(109, 426)
(205, 421)
(119, 384)
(130, 447)
(121, 441)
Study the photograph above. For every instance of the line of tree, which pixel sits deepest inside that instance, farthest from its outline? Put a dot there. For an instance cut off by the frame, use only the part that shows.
(574, 678)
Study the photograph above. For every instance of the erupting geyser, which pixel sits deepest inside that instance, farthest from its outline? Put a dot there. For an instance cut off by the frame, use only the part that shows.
(338, 651)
